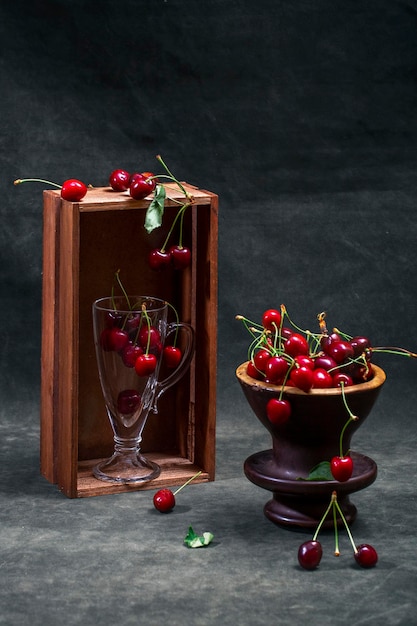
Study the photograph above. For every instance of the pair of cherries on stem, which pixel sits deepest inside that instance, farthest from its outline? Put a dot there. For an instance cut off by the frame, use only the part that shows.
(72, 189)
(310, 552)
(139, 185)
(164, 499)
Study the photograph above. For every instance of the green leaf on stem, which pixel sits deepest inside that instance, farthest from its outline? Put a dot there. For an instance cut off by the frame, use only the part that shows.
(155, 211)
(192, 540)
(321, 471)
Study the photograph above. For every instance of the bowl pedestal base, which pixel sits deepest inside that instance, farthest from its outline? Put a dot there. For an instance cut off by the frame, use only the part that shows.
(300, 504)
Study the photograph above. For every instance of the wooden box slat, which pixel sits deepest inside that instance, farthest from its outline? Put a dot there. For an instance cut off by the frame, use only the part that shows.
(85, 243)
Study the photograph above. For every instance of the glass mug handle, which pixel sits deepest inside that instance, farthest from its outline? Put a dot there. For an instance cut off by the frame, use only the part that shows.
(163, 385)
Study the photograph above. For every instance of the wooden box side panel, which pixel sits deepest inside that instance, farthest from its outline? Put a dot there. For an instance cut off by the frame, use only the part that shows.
(49, 345)
(206, 243)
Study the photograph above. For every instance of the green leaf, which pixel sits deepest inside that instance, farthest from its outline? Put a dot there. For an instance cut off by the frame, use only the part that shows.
(320, 472)
(192, 540)
(155, 211)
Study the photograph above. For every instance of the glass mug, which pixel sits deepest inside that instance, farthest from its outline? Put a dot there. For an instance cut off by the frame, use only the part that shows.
(130, 335)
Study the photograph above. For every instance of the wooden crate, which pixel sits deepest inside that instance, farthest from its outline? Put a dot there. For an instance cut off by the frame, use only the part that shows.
(85, 243)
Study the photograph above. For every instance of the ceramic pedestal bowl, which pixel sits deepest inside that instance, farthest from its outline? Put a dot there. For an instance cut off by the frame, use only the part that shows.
(310, 436)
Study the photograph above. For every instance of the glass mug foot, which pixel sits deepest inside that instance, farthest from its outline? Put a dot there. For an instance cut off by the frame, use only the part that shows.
(127, 469)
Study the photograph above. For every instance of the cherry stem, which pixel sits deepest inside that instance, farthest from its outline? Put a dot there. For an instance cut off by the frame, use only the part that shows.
(18, 181)
(179, 215)
(397, 351)
(324, 516)
(336, 531)
(352, 418)
(186, 194)
(177, 319)
(148, 321)
(119, 282)
(337, 505)
(187, 483)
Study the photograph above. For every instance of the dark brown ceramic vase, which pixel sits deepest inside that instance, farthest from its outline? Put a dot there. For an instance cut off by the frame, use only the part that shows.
(310, 436)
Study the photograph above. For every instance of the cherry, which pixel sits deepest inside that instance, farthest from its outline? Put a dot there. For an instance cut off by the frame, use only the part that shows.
(113, 339)
(275, 369)
(119, 180)
(261, 358)
(149, 337)
(172, 356)
(180, 257)
(341, 468)
(253, 372)
(130, 353)
(322, 379)
(340, 351)
(309, 554)
(141, 186)
(73, 190)
(325, 362)
(278, 411)
(327, 340)
(296, 344)
(305, 361)
(360, 345)
(158, 259)
(145, 364)
(366, 555)
(128, 401)
(342, 377)
(118, 339)
(271, 319)
(302, 377)
(164, 499)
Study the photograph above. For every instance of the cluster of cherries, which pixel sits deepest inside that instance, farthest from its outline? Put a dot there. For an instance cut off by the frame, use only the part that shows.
(282, 354)
(140, 185)
(139, 345)
(310, 552)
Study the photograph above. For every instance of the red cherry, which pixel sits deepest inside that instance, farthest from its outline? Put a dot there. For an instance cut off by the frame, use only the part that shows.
(159, 259)
(278, 411)
(130, 353)
(309, 554)
(360, 345)
(275, 369)
(296, 344)
(302, 377)
(149, 335)
(119, 180)
(253, 372)
(342, 377)
(261, 358)
(141, 186)
(172, 356)
(271, 319)
(326, 340)
(113, 339)
(305, 361)
(145, 364)
(340, 351)
(128, 401)
(73, 190)
(180, 257)
(322, 379)
(341, 468)
(164, 500)
(366, 555)
(325, 362)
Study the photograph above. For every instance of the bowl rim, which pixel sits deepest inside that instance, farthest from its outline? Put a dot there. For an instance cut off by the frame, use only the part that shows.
(377, 381)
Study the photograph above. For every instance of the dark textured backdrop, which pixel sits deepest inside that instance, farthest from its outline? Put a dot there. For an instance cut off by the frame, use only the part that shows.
(302, 117)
